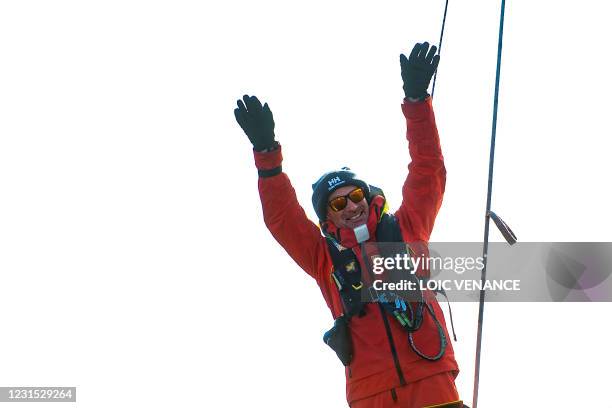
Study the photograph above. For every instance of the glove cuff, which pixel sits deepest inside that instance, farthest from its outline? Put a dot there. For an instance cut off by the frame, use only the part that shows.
(415, 99)
(265, 145)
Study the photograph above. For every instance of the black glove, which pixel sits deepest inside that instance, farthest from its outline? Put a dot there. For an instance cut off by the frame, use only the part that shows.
(418, 69)
(256, 121)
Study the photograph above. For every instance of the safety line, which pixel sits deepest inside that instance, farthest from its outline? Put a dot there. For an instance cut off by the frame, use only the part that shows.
(433, 87)
(487, 214)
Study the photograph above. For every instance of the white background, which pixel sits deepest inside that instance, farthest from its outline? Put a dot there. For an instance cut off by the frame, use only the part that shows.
(133, 254)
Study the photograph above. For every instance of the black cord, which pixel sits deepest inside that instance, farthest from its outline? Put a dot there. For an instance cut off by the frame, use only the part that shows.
(433, 87)
(485, 249)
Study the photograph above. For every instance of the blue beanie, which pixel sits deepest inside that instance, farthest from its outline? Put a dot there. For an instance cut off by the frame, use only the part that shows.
(331, 181)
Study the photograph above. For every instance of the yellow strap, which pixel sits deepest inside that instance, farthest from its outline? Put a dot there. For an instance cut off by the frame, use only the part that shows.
(454, 404)
(384, 210)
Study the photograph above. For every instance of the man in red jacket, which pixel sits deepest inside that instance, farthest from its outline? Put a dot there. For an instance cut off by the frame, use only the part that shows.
(389, 362)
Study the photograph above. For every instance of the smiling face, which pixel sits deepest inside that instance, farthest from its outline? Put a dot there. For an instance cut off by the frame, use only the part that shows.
(353, 215)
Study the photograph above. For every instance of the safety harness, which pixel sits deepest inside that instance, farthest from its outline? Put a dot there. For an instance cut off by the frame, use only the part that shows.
(409, 310)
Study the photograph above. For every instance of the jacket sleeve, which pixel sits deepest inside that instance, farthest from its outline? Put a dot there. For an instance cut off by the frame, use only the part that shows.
(286, 219)
(424, 186)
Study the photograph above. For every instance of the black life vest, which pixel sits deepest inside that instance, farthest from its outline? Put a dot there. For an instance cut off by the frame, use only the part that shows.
(347, 275)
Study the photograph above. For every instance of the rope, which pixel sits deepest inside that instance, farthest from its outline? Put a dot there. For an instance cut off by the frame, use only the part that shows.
(433, 87)
(487, 214)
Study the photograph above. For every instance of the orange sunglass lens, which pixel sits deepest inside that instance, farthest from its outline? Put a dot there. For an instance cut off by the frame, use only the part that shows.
(356, 195)
(338, 203)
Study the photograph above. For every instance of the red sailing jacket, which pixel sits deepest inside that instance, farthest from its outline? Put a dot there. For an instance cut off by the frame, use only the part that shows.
(374, 367)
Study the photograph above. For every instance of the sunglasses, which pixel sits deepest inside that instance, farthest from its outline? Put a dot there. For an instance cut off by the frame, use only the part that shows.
(339, 203)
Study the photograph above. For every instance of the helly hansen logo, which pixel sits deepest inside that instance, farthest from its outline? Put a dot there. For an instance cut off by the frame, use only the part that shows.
(334, 182)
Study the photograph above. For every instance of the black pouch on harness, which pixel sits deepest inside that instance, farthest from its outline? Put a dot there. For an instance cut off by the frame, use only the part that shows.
(347, 276)
(339, 339)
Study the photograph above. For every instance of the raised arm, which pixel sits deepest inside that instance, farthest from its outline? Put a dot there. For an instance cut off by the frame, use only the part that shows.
(283, 215)
(424, 186)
